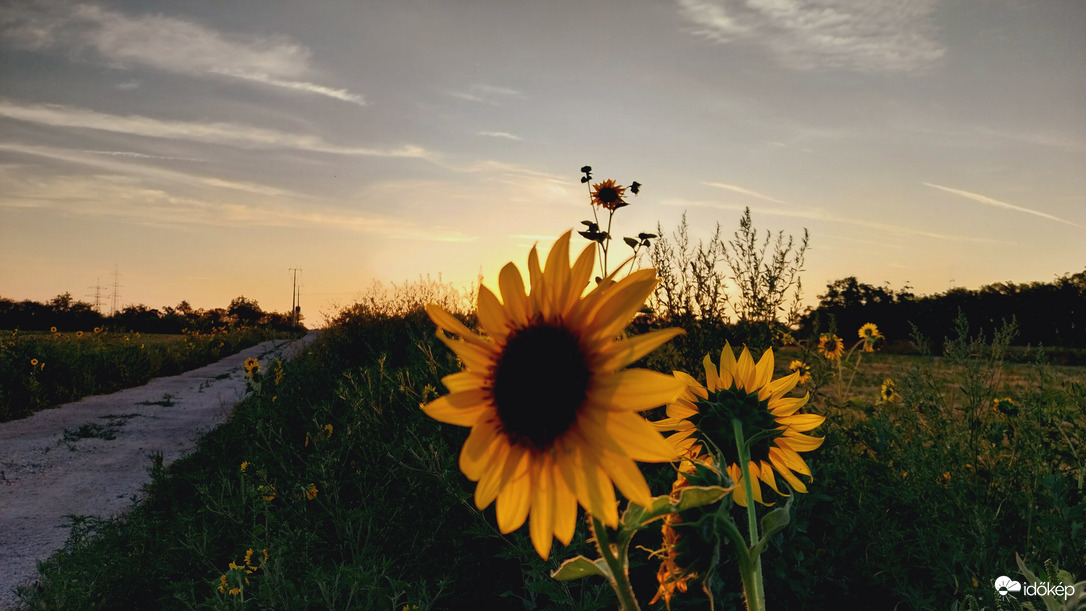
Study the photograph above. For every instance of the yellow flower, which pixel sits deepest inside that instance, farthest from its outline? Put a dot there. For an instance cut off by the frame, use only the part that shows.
(33, 362)
(311, 492)
(870, 334)
(266, 492)
(252, 367)
(742, 390)
(244, 466)
(53, 329)
(97, 330)
(553, 414)
(79, 334)
(887, 392)
(804, 371)
(831, 346)
(608, 195)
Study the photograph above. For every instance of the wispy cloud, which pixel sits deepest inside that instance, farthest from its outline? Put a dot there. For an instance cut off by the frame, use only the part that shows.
(135, 155)
(487, 94)
(869, 36)
(221, 133)
(163, 43)
(505, 135)
(745, 191)
(989, 201)
(820, 214)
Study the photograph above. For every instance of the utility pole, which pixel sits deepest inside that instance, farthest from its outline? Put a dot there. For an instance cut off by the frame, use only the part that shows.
(97, 294)
(116, 286)
(294, 297)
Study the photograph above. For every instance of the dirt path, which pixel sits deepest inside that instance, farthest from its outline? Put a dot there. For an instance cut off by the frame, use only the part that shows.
(48, 471)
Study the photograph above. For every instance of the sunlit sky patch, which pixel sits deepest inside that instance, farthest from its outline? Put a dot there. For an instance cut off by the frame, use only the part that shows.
(202, 149)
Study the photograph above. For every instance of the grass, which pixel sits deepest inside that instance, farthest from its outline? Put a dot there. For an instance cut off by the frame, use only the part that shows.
(40, 370)
(356, 497)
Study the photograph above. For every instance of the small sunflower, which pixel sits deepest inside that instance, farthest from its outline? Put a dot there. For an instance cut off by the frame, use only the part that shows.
(887, 392)
(79, 334)
(52, 329)
(252, 367)
(870, 334)
(1006, 406)
(553, 414)
(804, 371)
(743, 390)
(831, 346)
(608, 195)
(33, 362)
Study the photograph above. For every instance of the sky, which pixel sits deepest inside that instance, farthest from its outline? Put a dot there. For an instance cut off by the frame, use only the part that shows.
(202, 151)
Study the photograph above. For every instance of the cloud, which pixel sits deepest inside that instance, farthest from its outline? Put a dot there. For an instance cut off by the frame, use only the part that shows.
(134, 199)
(819, 214)
(988, 201)
(220, 133)
(869, 36)
(163, 43)
(744, 191)
(505, 135)
(487, 94)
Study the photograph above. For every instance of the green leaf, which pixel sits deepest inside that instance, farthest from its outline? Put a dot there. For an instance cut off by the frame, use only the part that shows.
(690, 497)
(631, 242)
(579, 568)
(772, 523)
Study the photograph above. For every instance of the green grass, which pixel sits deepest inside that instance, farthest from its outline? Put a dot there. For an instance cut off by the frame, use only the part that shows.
(40, 370)
(915, 503)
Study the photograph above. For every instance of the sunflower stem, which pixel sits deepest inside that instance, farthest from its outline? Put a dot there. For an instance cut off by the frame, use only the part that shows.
(620, 580)
(752, 572)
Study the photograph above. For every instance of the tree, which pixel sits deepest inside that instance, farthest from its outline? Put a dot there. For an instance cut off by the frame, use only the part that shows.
(245, 311)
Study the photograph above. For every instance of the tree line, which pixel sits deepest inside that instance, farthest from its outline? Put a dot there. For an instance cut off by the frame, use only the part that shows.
(64, 313)
(1046, 313)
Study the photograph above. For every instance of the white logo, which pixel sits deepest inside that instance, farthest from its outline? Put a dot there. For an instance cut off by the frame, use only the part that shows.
(1005, 585)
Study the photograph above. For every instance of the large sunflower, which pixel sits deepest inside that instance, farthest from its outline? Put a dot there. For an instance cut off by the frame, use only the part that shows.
(553, 414)
(743, 390)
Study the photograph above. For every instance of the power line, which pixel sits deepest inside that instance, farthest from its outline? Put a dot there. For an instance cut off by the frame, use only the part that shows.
(295, 297)
(116, 276)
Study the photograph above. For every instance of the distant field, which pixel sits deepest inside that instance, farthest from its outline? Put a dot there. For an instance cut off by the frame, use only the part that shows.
(43, 369)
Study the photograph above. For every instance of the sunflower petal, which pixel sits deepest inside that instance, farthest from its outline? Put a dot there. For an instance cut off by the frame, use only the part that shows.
(513, 294)
(492, 315)
(490, 484)
(786, 407)
(712, 380)
(625, 474)
(565, 507)
(627, 434)
(476, 358)
(800, 442)
(462, 380)
(764, 369)
(634, 390)
(556, 278)
(541, 518)
(727, 366)
(624, 352)
(449, 323)
(802, 422)
(514, 502)
(745, 371)
(600, 492)
(459, 408)
(479, 449)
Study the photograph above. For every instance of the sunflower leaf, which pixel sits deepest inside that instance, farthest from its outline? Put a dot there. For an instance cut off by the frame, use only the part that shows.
(631, 242)
(772, 523)
(578, 568)
(690, 497)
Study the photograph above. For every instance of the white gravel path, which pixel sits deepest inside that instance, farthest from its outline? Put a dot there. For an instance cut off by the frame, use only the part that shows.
(44, 478)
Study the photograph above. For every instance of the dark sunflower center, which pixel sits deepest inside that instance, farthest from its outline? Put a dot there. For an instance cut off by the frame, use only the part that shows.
(607, 195)
(540, 383)
(714, 421)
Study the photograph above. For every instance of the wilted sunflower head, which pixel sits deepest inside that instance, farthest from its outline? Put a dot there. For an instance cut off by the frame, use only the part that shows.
(740, 390)
(608, 195)
(552, 411)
